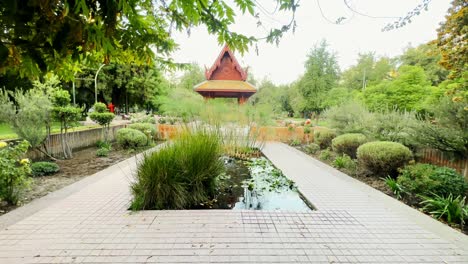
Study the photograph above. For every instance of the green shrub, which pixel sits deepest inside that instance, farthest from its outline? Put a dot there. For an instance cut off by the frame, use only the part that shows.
(179, 175)
(326, 154)
(324, 137)
(102, 152)
(148, 129)
(14, 171)
(295, 142)
(131, 138)
(349, 117)
(348, 143)
(103, 144)
(312, 148)
(428, 180)
(344, 162)
(452, 210)
(44, 168)
(383, 158)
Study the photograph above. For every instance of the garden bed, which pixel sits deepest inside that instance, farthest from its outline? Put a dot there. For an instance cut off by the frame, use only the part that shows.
(71, 170)
(375, 182)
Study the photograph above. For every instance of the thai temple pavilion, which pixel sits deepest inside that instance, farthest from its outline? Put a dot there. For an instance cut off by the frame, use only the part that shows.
(226, 79)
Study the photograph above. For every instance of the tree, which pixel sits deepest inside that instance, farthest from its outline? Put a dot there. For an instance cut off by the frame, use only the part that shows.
(452, 39)
(103, 117)
(427, 56)
(27, 114)
(407, 91)
(192, 76)
(368, 71)
(66, 114)
(38, 37)
(124, 85)
(321, 75)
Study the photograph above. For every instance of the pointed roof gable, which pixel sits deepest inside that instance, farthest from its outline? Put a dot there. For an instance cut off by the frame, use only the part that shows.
(218, 62)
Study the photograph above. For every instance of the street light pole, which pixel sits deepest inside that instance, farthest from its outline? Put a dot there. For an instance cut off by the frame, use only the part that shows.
(95, 82)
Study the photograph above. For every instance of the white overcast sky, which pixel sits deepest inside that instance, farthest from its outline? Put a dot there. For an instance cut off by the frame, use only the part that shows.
(284, 63)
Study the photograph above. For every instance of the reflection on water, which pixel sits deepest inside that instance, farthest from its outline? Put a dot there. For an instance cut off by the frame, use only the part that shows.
(257, 185)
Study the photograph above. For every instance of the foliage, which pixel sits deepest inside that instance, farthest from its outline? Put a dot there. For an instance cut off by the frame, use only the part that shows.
(453, 210)
(311, 148)
(131, 138)
(320, 76)
(452, 39)
(14, 172)
(142, 118)
(275, 96)
(429, 180)
(103, 117)
(104, 144)
(180, 175)
(43, 168)
(448, 131)
(27, 115)
(59, 35)
(392, 125)
(348, 143)
(368, 71)
(148, 129)
(324, 137)
(427, 57)
(383, 158)
(66, 114)
(344, 162)
(102, 152)
(393, 184)
(407, 91)
(349, 117)
(326, 154)
(294, 142)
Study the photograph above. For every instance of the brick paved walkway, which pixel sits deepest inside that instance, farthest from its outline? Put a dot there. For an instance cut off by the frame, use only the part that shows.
(353, 224)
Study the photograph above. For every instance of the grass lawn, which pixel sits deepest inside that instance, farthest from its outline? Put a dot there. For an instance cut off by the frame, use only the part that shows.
(7, 133)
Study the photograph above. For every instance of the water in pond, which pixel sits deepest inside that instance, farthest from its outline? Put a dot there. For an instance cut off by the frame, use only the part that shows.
(256, 185)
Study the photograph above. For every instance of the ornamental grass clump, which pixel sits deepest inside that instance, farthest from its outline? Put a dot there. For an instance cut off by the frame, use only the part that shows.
(131, 138)
(383, 158)
(348, 143)
(180, 175)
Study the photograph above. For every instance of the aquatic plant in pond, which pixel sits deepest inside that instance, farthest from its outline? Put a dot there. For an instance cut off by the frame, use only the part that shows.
(269, 189)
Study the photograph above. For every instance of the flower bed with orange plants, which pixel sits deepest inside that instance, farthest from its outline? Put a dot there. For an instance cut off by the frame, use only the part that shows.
(168, 131)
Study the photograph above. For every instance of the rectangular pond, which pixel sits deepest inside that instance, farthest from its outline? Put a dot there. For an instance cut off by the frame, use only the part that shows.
(256, 184)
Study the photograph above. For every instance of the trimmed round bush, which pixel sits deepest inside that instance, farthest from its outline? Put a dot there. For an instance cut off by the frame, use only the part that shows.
(348, 143)
(324, 137)
(430, 180)
(383, 158)
(44, 168)
(147, 129)
(131, 138)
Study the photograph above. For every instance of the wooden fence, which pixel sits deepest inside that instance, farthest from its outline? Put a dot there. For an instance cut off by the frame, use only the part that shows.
(437, 157)
(77, 140)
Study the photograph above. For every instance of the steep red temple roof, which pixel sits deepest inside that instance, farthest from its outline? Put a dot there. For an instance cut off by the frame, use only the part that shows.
(209, 73)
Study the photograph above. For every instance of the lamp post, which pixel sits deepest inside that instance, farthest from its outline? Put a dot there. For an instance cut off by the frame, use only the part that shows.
(95, 82)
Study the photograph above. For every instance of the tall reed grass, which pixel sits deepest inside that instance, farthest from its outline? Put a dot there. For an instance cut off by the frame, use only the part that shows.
(181, 175)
